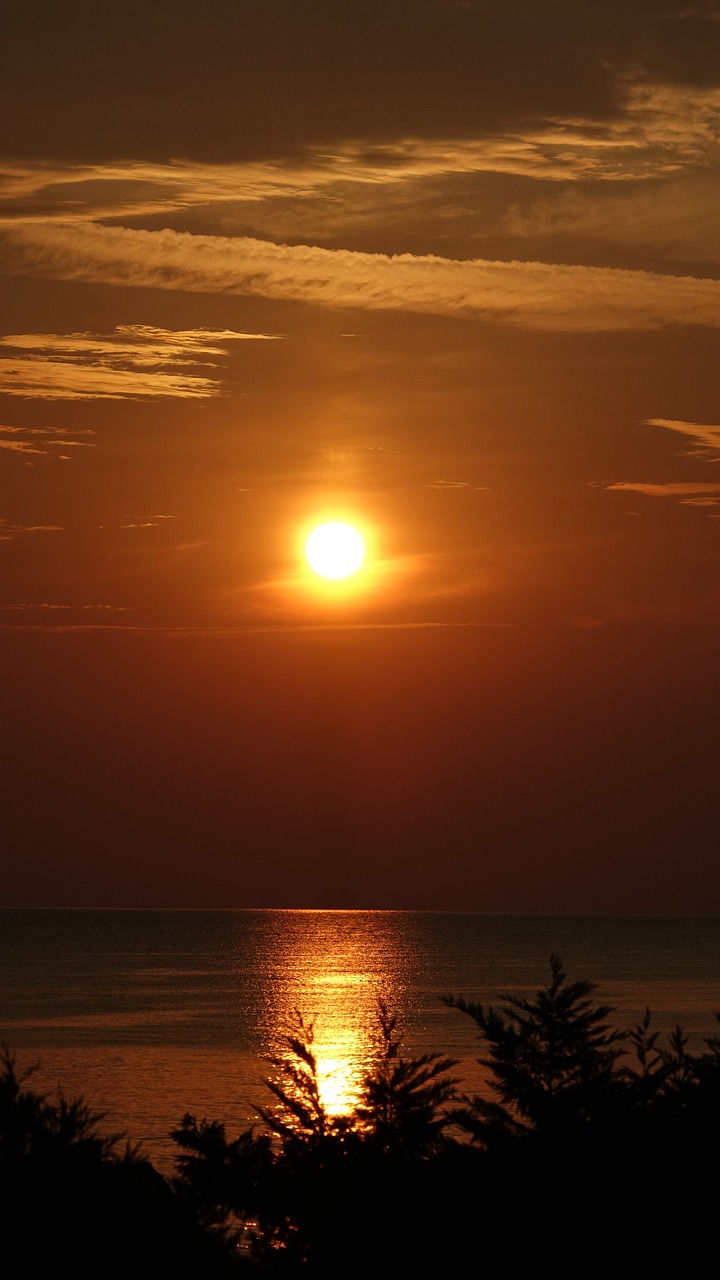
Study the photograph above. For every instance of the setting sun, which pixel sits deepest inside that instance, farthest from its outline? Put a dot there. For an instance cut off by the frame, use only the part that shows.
(335, 550)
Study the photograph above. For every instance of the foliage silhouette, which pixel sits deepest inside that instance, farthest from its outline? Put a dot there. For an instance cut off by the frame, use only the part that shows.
(77, 1202)
(558, 1146)
(587, 1148)
(590, 1134)
(300, 1203)
(404, 1100)
(32, 1126)
(223, 1182)
(552, 1060)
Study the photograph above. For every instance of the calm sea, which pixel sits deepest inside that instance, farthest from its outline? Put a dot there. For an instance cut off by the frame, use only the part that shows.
(150, 1014)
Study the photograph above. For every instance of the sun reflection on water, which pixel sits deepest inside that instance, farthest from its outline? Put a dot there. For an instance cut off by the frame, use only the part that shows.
(339, 1085)
(329, 970)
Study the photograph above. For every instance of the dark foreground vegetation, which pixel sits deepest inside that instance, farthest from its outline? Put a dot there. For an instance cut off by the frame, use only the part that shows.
(596, 1155)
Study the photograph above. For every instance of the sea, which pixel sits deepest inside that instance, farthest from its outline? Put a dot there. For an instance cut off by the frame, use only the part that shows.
(151, 1015)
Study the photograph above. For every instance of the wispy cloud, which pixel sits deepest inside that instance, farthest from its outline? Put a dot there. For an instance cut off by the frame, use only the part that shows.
(672, 489)
(660, 138)
(706, 438)
(146, 522)
(120, 365)
(658, 128)
(24, 607)
(270, 628)
(42, 442)
(688, 493)
(69, 380)
(9, 530)
(525, 294)
(700, 502)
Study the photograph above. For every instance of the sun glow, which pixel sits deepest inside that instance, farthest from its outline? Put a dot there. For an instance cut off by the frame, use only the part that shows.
(335, 550)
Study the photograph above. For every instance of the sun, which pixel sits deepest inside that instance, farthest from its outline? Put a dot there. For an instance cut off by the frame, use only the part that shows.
(335, 550)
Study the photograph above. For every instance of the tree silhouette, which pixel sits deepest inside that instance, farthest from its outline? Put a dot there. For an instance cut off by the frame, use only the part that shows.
(77, 1202)
(572, 1144)
(225, 1183)
(551, 1059)
(310, 1200)
(35, 1127)
(404, 1100)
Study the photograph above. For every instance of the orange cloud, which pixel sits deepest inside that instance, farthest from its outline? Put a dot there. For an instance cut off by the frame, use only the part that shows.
(658, 128)
(147, 522)
(120, 365)
(41, 442)
(9, 531)
(526, 294)
(673, 489)
(62, 608)
(707, 438)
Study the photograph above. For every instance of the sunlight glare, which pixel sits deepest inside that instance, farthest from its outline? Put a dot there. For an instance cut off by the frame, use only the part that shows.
(335, 550)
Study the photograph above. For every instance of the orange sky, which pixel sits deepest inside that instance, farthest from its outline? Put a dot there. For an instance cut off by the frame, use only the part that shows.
(447, 270)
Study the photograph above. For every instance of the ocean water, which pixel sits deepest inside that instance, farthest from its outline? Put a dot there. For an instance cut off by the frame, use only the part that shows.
(151, 1014)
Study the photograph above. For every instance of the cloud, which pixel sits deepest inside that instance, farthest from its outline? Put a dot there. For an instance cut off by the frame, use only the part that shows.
(120, 365)
(321, 69)
(140, 344)
(700, 502)
(268, 628)
(525, 294)
(408, 189)
(9, 531)
(147, 522)
(63, 380)
(42, 442)
(688, 493)
(675, 218)
(673, 489)
(654, 125)
(707, 438)
(560, 149)
(657, 129)
(61, 608)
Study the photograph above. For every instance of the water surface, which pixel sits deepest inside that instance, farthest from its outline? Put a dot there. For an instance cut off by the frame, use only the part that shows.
(154, 1013)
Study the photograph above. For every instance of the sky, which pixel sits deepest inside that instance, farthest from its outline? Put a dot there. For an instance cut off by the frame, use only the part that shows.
(448, 270)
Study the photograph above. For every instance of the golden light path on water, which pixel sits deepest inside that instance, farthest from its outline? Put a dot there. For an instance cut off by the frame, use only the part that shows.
(339, 1044)
(332, 972)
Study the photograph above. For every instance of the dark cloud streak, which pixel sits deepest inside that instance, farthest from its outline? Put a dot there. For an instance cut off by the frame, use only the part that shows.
(266, 78)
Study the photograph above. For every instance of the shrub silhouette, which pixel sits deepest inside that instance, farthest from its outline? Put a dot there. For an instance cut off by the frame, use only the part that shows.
(609, 1164)
(595, 1153)
(552, 1060)
(77, 1202)
(578, 1146)
(404, 1100)
(312, 1200)
(224, 1183)
(34, 1127)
